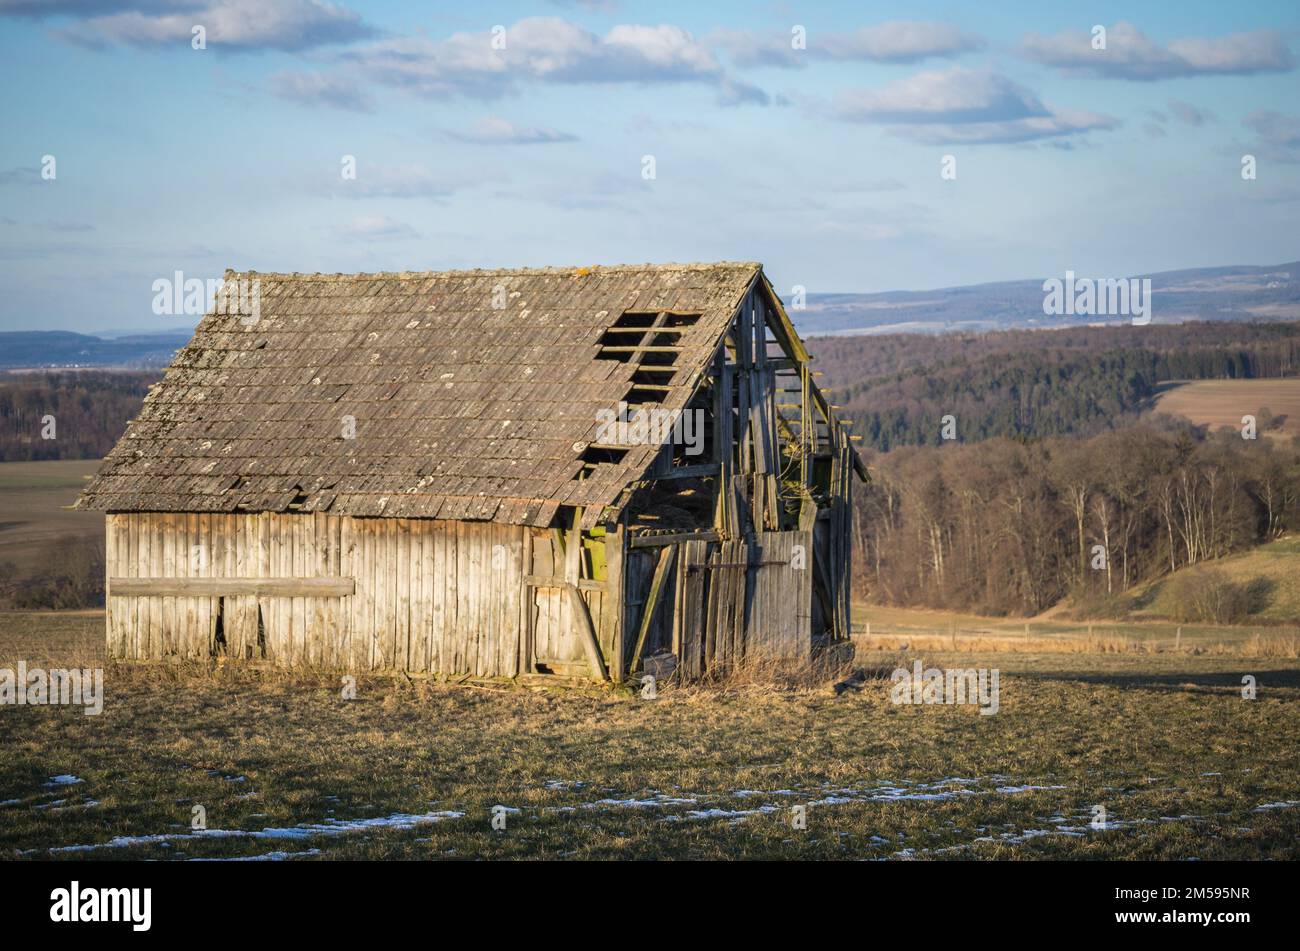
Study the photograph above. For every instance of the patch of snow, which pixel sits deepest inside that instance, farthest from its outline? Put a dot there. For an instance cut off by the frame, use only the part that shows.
(329, 827)
(716, 813)
(656, 799)
(266, 857)
(63, 780)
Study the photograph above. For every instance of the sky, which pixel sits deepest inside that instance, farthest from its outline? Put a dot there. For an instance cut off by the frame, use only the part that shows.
(847, 146)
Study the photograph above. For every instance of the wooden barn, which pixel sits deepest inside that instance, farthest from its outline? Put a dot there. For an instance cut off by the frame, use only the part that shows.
(489, 474)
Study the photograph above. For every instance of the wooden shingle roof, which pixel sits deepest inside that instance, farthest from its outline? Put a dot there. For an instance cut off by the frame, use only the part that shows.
(410, 394)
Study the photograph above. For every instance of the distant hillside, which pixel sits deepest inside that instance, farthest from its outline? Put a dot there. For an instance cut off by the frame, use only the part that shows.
(1262, 585)
(1217, 293)
(39, 349)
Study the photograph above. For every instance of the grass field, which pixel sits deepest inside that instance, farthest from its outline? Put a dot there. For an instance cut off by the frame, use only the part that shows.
(1219, 403)
(285, 768)
(883, 626)
(34, 510)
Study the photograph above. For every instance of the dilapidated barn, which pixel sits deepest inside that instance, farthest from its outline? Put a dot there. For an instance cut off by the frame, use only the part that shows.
(516, 473)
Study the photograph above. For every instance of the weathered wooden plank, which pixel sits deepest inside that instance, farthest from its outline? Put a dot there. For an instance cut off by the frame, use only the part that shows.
(194, 556)
(137, 614)
(690, 472)
(419, 613)
(527, 605)
(181, 587)
(451, 578)
(464, 599)
(386, 586)
(154, 528)
(347, 567)
(612, 614)
(320, 629)
(656, 541)
(438, 608)
(587, 632)
(547, 581)
(112, 625)
(402, 631)
(245, 642)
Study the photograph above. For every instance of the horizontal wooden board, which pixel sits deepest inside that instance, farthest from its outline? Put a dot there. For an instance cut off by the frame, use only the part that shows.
(219, 587)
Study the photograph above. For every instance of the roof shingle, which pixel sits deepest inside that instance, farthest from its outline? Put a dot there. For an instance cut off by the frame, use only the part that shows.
(409, 394)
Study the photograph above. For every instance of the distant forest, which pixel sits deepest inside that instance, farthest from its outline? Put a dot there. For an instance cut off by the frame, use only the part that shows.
(90, 410)
(1032, 384)
(1009, 527)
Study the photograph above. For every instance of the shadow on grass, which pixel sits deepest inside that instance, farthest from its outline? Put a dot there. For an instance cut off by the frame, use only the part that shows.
(1265, 677)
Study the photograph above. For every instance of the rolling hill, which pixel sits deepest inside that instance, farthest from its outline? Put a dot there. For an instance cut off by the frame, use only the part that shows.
(1267, 575)
(1217, 293)
(62, 349)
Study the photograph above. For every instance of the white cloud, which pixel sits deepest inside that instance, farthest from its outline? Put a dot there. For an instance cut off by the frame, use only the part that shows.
(964, 106)
(901, 42)
(954, 95)
(898, 41)
(316, 89)
(493, 130)
(238, 25)
(543, 49)
(1060, 124)
(1131, 54)
(374, 228)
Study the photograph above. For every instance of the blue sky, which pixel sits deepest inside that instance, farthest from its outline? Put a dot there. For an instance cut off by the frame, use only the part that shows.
(823, 162)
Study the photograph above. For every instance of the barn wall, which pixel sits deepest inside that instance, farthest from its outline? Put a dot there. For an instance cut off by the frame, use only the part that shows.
(430, 596)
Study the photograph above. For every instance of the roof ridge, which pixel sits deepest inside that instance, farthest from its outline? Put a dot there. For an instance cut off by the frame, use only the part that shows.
(425, 275)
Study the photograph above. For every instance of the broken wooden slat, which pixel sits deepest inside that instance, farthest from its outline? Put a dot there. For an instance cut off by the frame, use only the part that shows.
(656, 541)
(666, 558)
(586, 631)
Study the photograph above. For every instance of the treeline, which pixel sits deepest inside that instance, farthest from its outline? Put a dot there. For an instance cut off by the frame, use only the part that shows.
(1007, 527)
(67, 415)
(1035, 384)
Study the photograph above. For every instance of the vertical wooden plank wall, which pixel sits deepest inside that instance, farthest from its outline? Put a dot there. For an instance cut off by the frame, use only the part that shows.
(431, 596)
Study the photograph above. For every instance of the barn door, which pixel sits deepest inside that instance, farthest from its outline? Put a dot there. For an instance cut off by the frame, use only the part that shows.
(739, 602)
(779, 620)
(555, 644)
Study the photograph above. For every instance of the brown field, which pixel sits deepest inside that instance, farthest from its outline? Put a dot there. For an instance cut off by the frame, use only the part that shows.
(886, 627)
(34, 510)
(286, 768)
(1218, 403)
